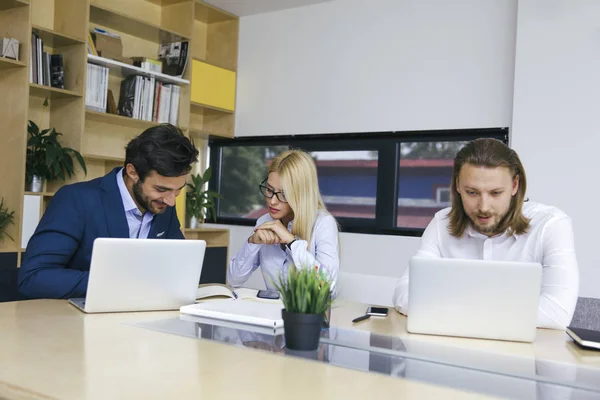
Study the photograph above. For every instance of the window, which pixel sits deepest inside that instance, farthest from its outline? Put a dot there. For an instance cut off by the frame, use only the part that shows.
(424, 175)
(243, 168)
(348, 182)
(388, 183)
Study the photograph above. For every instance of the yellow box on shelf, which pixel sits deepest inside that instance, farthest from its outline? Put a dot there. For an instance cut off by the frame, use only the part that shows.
(213, 86)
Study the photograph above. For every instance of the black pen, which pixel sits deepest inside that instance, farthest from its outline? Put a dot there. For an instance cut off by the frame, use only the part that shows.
(361, 318)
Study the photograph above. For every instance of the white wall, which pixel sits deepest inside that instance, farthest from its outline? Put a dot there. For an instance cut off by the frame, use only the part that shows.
(377, 65)
(556, 124)
(372, 65)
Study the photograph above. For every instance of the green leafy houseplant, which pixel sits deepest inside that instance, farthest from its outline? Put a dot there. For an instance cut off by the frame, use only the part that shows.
(47, 158)
(200, 203)
(305, 291)
(306, 296)
(6, 218)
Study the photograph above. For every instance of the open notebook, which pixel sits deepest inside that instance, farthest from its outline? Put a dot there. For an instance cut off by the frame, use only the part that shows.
(211, 291)
(240, 305)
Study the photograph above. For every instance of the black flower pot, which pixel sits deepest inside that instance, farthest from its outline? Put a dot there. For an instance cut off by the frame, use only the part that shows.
(302, 331)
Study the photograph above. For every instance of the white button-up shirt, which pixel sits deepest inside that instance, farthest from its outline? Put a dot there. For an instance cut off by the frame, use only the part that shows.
(548, 241)
(275, 261)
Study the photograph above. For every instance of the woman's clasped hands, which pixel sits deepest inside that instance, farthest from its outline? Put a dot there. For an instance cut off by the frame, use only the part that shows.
(271, 232)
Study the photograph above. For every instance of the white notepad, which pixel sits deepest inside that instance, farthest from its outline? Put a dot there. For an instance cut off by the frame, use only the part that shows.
(248, 312)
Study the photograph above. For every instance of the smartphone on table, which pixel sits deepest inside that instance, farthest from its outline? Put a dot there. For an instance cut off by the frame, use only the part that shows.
(268, 294)
(377, 311)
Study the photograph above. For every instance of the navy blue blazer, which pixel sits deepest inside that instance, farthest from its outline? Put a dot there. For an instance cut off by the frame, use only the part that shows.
(57, 261)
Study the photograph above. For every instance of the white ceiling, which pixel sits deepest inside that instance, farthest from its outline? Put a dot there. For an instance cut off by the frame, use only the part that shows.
(242, 8)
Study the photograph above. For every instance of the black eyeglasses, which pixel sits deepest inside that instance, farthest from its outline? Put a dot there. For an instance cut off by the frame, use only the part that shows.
(269, 193)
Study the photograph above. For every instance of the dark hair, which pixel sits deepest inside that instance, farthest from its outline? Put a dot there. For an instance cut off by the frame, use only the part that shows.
(164, 149)
(489, 153)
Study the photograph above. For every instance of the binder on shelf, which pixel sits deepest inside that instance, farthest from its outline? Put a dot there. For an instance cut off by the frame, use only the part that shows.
(127, 96)
(57, 71)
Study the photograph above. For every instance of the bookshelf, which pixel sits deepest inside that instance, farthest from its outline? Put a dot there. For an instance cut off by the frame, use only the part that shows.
(43, 194)
(126, 70)
(63, 26)
(114, 119)
(8, 4)
(14, 79)
(6, 63)
(52, 92)
(138, 19)
(55, 39)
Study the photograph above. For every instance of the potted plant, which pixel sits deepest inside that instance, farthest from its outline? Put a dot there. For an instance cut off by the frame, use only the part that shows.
(6, 218)
(306, 296)
(47, 159)
(200, 203)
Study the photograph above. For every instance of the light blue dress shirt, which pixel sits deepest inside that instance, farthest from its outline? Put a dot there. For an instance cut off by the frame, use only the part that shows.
(274, 261)
(139, 225)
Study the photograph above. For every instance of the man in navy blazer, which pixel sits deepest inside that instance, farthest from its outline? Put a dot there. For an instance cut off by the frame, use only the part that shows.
(134, 201)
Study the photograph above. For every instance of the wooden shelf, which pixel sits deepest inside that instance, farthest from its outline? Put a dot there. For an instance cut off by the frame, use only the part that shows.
(194, 104)
(118, 21)
(103, 158)
(118, 120)
(8, 4)
(48, 91)
(209, 14)
(6, 63)
(44, 194)
(126, 70)
(55, 39)
(143, 25)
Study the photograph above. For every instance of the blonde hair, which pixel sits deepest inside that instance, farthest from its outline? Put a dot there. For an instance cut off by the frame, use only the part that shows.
(489, 153)
(298, 175)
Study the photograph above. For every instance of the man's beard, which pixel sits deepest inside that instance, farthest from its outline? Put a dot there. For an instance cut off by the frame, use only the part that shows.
(142, 200)
(490, 228)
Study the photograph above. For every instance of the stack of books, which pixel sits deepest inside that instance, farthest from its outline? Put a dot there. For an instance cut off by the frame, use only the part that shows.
(144, 98)
(45, 68)
(96, 88)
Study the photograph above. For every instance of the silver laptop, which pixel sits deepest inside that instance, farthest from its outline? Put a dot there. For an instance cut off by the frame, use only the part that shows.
(142, 275)
(474, 298)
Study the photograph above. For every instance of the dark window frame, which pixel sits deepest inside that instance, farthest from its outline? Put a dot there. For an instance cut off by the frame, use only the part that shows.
(388, 146)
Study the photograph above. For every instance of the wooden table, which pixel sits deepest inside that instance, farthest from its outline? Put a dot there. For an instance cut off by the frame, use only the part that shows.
(50, 350)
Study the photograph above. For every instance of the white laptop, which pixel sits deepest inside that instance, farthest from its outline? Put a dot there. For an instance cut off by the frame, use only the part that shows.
(474, 298)
(142, 275)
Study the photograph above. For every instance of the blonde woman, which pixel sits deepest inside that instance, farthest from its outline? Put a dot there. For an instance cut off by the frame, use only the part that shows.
(297, 230)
